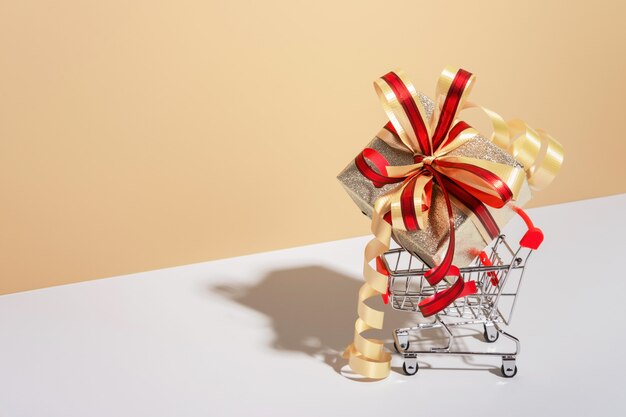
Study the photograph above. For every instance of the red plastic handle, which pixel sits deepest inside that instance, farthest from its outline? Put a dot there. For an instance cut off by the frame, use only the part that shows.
(533, 238)
(381, 268)
(484, 259)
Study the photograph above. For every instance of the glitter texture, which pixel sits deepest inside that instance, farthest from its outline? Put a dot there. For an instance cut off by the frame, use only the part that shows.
(431, 243)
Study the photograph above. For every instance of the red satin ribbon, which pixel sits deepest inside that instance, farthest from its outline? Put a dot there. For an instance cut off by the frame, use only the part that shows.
(470, 197)
(409, 106)
(381, 268)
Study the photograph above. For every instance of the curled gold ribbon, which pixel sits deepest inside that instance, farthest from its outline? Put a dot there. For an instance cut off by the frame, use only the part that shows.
(540, 155)
(368, 356)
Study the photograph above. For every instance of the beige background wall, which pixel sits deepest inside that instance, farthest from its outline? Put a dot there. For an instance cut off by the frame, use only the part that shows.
(140, 135)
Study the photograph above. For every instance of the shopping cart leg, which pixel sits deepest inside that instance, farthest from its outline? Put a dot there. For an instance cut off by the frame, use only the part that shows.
(490, 332)
(448, 333)
(401, 342)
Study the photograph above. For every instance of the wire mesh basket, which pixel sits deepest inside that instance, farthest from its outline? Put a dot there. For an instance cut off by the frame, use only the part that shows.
(497, 274)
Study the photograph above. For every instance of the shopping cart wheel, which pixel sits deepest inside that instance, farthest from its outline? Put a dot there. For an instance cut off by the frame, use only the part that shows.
(490, 333)
(410, 366)
(404, 346)
(508, 368)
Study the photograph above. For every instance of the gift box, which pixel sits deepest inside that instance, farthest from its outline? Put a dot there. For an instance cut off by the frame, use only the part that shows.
(431, 243)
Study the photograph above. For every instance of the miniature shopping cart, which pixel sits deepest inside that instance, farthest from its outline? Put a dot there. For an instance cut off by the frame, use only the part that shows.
(497, 272)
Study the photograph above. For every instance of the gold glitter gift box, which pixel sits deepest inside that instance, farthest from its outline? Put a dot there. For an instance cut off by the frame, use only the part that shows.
(431, 243)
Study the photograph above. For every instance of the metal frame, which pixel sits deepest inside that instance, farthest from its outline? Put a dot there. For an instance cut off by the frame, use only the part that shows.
(495, 283)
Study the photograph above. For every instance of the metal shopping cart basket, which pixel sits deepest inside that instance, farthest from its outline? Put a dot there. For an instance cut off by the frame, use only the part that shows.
(497, 272)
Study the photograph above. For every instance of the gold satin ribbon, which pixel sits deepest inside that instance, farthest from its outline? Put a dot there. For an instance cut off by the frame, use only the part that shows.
(541, 157)
(368, 356)
(539, 153)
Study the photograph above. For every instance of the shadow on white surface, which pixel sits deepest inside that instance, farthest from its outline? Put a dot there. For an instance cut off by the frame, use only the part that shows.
(312, 310)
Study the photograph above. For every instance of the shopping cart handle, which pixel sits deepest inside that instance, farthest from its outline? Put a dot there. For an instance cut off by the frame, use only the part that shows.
(533, 238)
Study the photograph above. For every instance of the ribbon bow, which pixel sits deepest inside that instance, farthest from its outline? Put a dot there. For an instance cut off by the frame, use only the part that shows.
(473, 182)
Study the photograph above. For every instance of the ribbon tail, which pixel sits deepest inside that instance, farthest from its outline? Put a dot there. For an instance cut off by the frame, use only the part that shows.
(541, 154)
(368, 357)
(436, 274)
(442, 299)
(379, 177)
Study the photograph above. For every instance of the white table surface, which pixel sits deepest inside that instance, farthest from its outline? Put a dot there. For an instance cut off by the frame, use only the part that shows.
(239, 336)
